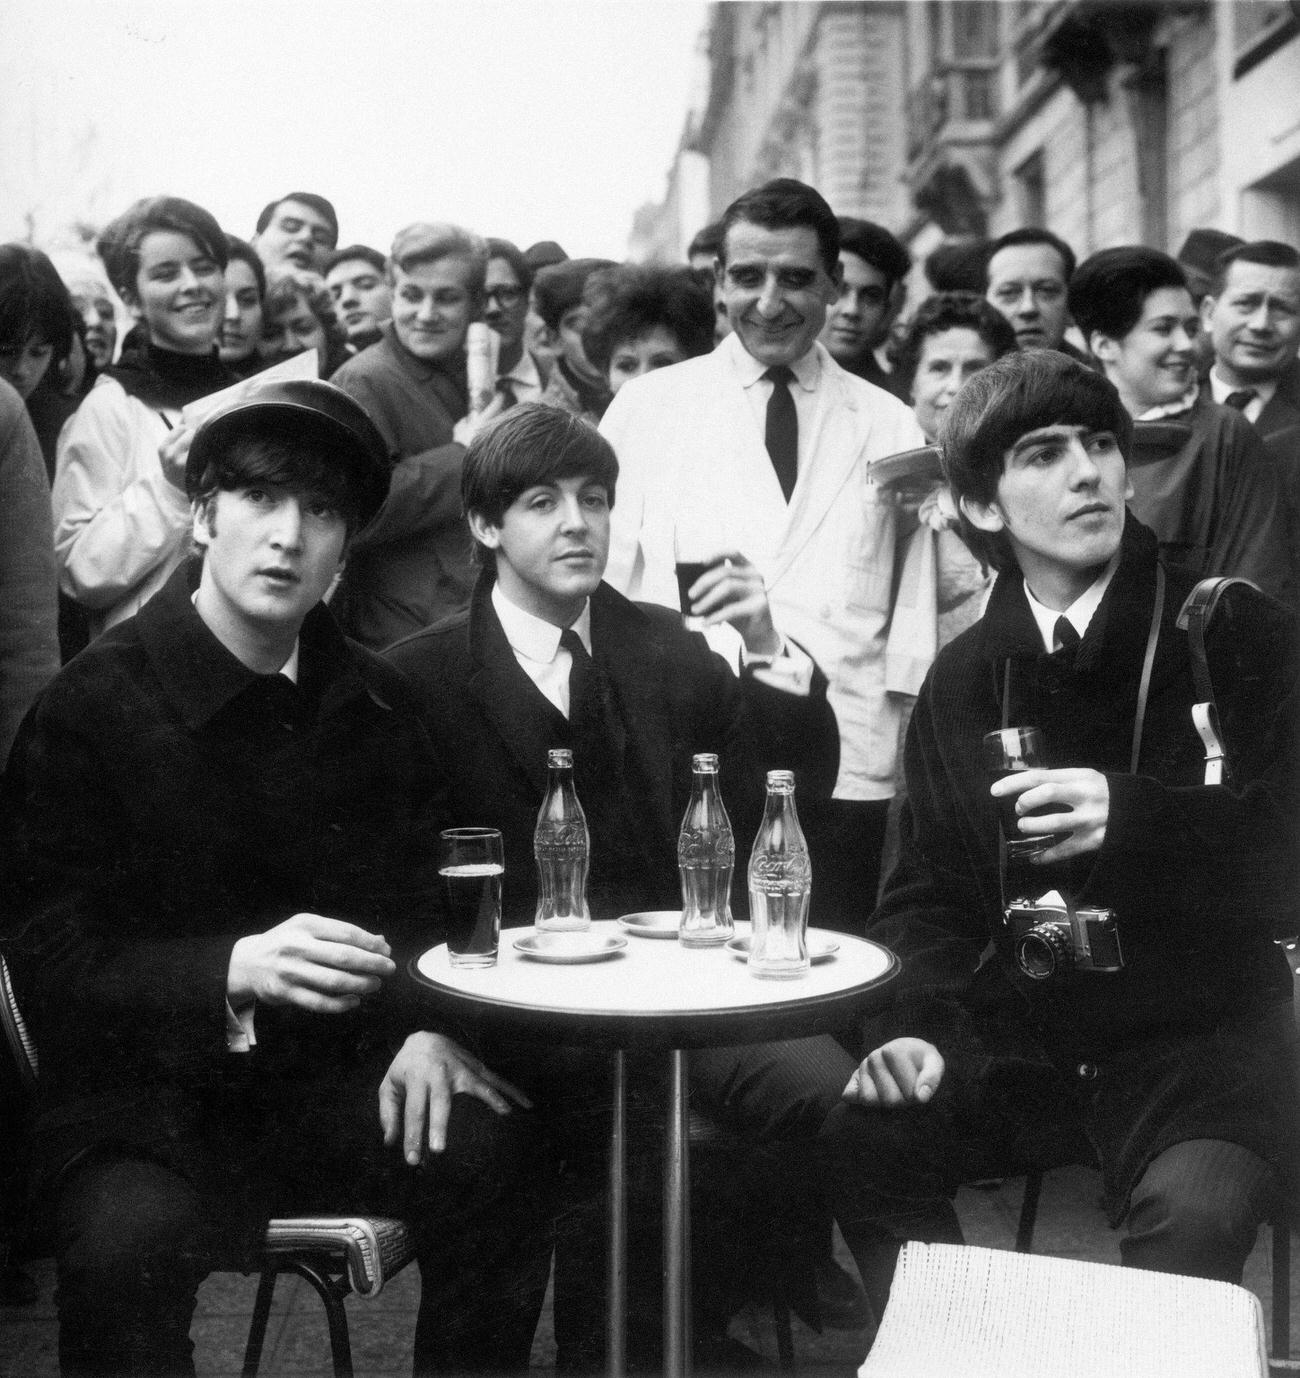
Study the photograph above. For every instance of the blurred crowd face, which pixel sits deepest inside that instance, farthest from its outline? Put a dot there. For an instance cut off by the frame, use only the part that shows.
(506, 306)
(433, 305)
(1155, 363)
(1255, 322)
(23, 366)
(179, 294)
(657, 348)
(362, 300)
(291, 329)
(860, 317)
(95, 307)
(241, 325)
(296, 235)
(1026, 282)
(948, 358)
(777, 290)
(569, 345)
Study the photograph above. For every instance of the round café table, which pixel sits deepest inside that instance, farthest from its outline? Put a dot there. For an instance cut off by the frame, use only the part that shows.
(655, 993)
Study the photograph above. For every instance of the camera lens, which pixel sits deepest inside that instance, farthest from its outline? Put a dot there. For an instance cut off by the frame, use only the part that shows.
(1043, 951)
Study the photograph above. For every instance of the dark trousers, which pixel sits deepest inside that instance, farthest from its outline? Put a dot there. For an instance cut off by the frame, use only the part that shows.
(846, 839)
(136, 1233)
(1195, 1210)
(769, 1099)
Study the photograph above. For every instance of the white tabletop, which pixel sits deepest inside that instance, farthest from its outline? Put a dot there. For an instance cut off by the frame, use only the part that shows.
(657, 981)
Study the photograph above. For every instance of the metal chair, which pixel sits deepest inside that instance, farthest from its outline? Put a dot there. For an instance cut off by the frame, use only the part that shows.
(335, 1254)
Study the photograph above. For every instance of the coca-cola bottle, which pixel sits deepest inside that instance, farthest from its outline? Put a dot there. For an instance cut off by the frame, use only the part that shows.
(706, 853)
(780, 886)
(562, 847)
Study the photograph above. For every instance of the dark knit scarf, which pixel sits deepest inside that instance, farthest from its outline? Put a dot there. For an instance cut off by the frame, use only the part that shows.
(163, 379)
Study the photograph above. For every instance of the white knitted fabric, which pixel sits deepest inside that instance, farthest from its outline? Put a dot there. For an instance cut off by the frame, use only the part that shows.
(960, 1312)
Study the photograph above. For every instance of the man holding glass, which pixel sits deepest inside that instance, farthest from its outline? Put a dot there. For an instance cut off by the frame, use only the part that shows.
(222, 825)
(1119, 986)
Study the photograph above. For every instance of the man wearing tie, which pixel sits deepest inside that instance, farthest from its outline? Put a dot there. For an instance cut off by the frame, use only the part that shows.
(547, 655)
(765, 446)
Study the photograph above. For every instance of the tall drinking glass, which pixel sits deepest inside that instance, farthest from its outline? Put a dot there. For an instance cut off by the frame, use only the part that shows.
(692, 556)
(1006, 751)
(471, 862)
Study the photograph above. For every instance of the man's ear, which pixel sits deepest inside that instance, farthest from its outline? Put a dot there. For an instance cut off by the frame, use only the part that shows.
(201, 521)
(484, 531)
(1207, 313)
(983, 516)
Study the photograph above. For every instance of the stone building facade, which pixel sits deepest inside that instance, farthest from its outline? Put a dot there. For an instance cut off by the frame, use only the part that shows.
(1109, 121)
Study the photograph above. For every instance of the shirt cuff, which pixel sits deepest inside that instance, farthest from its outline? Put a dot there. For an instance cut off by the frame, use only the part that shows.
(789, 669)
(240, 1034)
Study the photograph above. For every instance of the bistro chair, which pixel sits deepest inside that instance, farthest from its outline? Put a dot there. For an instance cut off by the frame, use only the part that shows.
(335, 1254)
(993, 1313)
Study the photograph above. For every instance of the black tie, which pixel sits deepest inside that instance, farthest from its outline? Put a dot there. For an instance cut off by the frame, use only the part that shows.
(782, 433)
(1240, 399)
(1067, 637)
(579, 674)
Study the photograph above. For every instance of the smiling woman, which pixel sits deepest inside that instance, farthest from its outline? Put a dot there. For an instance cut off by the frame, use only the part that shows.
(121, 515)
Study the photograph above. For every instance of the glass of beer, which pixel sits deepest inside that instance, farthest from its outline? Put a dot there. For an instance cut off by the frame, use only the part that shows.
(691, 558)
(471, 862)
(1006, 751)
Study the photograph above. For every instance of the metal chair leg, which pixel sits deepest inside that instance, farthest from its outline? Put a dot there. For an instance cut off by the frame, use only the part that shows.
(781, 1324)
(1281, 1228)
(331, 1293)
(1029, 1212)
(257, 1328)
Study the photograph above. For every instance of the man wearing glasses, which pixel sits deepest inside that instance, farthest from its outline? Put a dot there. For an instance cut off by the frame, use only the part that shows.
(505, 309)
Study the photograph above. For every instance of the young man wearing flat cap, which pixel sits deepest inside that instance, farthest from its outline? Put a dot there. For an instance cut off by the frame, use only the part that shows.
(223, 843)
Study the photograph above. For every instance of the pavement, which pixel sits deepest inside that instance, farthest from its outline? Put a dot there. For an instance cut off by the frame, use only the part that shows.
(1070, 1225)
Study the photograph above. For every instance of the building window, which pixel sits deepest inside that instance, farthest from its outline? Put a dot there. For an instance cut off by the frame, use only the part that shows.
(974, 29)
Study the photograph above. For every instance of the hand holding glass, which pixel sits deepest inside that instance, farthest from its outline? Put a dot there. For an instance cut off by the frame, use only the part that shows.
(1006, 751)
(692, 557)
(471, 862)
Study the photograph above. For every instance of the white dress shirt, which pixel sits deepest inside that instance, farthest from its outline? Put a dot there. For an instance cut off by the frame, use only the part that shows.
(758, 392)
(1263, 391)
(1079, 613)
(536, 644)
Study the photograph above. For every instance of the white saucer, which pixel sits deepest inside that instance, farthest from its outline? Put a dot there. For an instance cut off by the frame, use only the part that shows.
(581, 946)
(820, 949)
(652, 923)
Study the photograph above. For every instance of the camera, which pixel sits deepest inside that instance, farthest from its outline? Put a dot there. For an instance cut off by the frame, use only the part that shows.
(1052, 939)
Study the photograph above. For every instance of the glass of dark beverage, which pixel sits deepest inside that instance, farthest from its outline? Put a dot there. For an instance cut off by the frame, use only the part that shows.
(691, 560)
(1006, 751)
(471, 862)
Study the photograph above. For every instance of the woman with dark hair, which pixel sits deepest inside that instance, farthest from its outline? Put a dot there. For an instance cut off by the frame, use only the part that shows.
(951, 336)
(298, 314)
(122, 519)
(241, 323)
(648, 318)
(38, 325)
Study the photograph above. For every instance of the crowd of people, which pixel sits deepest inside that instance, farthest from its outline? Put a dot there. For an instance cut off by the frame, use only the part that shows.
(302, 632)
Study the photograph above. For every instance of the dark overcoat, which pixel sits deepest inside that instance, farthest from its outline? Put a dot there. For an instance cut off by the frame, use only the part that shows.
(1182, 1043)
(668, 697)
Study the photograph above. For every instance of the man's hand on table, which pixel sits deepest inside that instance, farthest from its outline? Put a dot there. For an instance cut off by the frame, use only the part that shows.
(415, 1094)
(904, 1071)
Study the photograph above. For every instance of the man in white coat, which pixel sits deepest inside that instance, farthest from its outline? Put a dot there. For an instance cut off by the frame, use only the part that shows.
(756, 460)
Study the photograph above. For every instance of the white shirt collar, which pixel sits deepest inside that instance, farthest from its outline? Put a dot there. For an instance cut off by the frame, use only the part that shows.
(1172, 408)
(807, 370)
(1079, 613)
(524, 373)
(532, 637)
(1263, 390)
